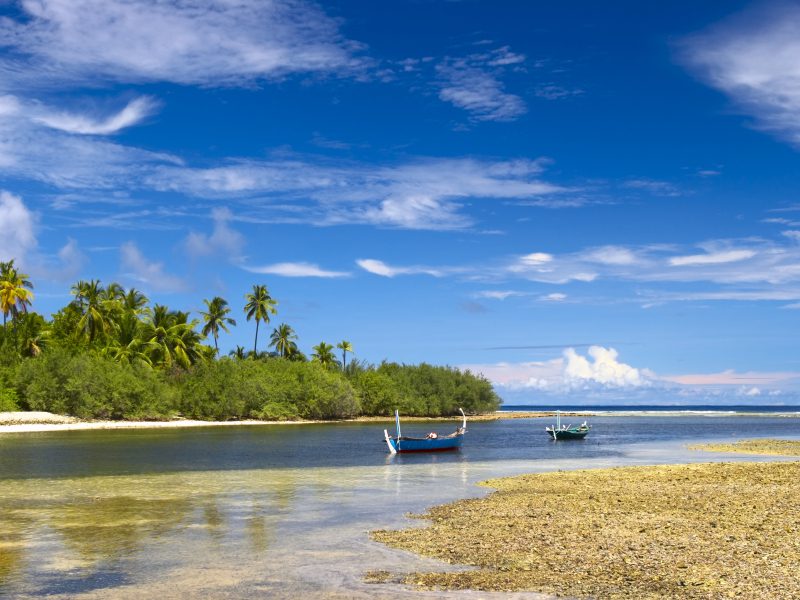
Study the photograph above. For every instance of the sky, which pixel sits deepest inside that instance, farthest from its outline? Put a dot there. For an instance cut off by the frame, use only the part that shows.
(586, 202)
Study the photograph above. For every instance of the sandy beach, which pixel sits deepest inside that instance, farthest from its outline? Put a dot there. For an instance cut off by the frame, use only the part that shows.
(32, 422)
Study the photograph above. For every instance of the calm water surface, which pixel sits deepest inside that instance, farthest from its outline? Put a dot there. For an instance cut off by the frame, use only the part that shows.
(275, 511)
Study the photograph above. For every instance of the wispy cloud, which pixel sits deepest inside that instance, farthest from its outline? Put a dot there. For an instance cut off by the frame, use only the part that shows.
(712, 258)
(474, 84)
(203, 42)
(424, 193)
(653, 186)
(752, 57)
(377, 267)
(149, 273)
(499, 294)
(134, 112)
(30, 149)
(224, 241)
(297, 269)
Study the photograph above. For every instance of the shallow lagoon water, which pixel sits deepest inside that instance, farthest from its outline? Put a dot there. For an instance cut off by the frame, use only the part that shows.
(276, 510)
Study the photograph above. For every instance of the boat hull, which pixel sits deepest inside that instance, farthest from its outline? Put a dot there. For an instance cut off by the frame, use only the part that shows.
(567, 434)
(443, 444)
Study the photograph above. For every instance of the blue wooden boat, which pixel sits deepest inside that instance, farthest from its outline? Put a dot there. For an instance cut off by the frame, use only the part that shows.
(433, 442)
(567, 432)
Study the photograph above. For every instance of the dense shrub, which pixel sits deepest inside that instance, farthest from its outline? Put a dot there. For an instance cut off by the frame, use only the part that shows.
(274, 389)
(423, 390)
(89, 386)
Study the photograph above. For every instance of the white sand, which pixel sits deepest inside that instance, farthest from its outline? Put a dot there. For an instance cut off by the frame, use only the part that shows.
(21, 422)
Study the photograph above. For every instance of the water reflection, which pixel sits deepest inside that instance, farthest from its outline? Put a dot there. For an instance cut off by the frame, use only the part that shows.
(247, 528)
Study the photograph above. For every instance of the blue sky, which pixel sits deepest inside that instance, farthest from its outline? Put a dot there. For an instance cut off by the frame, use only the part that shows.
(584, 201)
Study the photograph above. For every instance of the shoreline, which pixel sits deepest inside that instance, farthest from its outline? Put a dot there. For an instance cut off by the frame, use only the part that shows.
(614, 532)
(39, 422)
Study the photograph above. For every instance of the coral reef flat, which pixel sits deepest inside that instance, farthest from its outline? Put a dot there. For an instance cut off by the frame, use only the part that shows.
(722, 530)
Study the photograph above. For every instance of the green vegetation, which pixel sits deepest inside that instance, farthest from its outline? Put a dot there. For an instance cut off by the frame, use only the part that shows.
(110, 354)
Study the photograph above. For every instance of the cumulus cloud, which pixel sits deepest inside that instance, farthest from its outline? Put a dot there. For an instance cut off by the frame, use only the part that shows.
(297, 269)
(134, 112)
(149, 273)
(224, 241)
(202, 42)
(18, 226)
(474, 84)
(599, 369)
(752, 58)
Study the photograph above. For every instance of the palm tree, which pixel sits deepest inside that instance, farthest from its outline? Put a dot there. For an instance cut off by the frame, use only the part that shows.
(128, 345)
(134, 301)
(238, 353)
(259, 306)
(345, 347)
(15, 291)
(89, 298)
(323, 354)
(216, 318)
(282, 339)
(172, 338)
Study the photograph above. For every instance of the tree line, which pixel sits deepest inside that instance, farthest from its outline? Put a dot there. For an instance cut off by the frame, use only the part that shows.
(110, 354)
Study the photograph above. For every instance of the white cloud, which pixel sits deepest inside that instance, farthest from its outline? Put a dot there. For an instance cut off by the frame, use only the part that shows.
(151, 273)
(712, 258)
(554, 297)
(34, 151)
(419, 194)
(134, 112)
(499, 294)
(611, 255)
(659, 188)
(204, 42)
(377, 267)
(473, 83)
(601, 369)
(734, 378)
(18, 226)
(792, 234)
(224, 241)
(297, 269)
(752, 57)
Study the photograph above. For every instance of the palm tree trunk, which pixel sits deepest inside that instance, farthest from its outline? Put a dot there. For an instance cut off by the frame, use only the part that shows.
(255, 345)
(344, 360)
(216, 347)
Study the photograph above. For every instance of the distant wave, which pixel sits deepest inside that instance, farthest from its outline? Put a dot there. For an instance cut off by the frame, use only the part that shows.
(662, 410)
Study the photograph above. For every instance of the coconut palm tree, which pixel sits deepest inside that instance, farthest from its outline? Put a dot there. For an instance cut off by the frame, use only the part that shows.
(134, 301)
(216, 318)
(128, 345)
(172, 338)
(238, 353)
(323, 354)
(89, 298)
(345, 347)
(259, 306)
(15, 291)
(282, 339)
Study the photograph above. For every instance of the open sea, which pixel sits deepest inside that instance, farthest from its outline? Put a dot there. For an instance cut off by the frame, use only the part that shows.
(284, 511)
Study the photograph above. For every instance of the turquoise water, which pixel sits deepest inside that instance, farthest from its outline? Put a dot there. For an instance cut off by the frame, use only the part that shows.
(278, 511)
